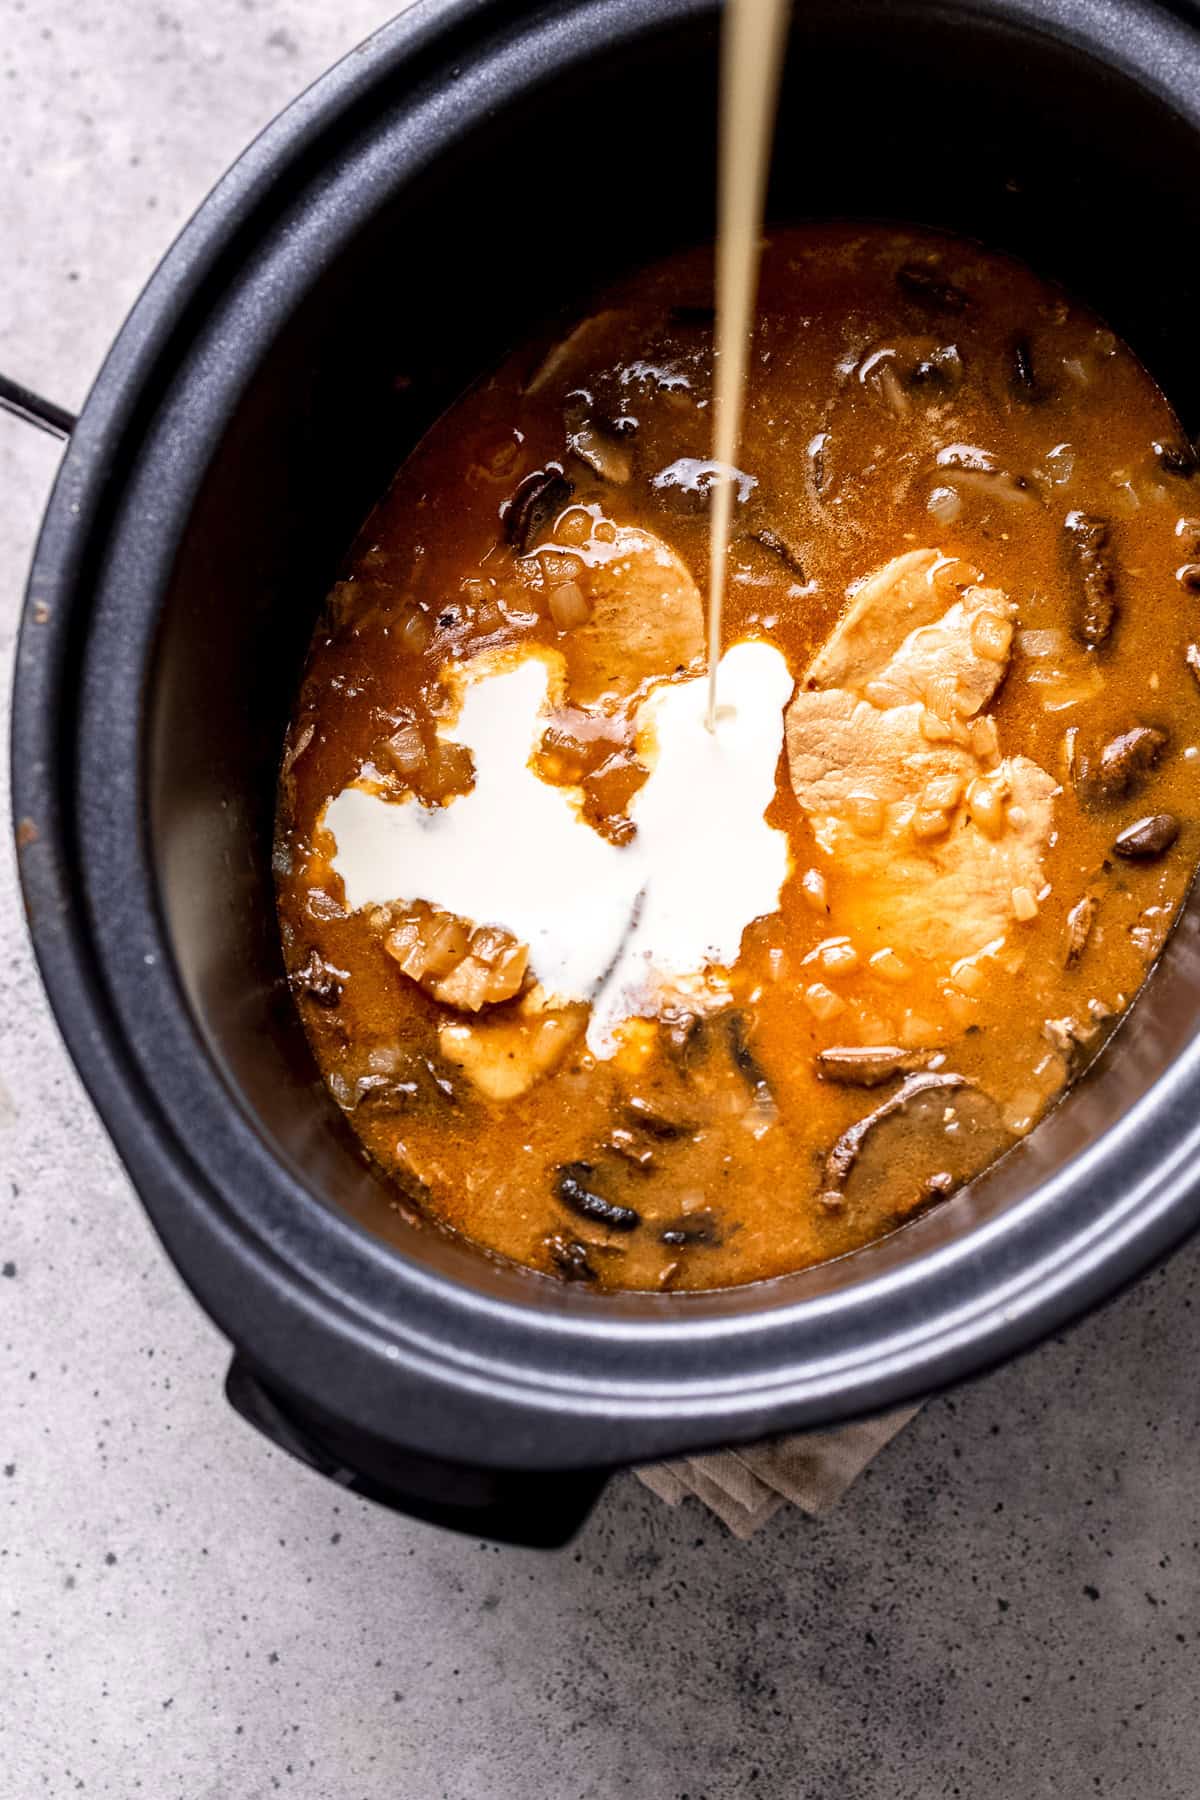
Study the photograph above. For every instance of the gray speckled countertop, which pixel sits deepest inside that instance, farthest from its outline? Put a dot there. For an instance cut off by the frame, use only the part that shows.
(1007, 1606)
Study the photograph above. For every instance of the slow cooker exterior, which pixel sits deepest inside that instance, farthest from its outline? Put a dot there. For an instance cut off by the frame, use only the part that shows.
(241, 426)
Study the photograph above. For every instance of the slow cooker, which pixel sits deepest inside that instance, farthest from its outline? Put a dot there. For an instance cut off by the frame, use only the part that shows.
(477, 166)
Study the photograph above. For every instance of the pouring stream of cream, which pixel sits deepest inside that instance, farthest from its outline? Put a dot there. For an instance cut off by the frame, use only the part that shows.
(752, 38)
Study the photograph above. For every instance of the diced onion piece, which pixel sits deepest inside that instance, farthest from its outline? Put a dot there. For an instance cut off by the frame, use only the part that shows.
(568, 606)
(942, 793)
(450, 770)
(866, 812)
(405, 750)
(984, 741)
(929, 823)
(1024, 904)
(968, 976)
(838, 957)
(428, 945)
(1052, 642)
(815, 889)
(889, 385)
(873, 1028)
(945, 503)
(891, 966)
(467, 986)
(985, 804)
(918, 1033)
(414, 632)
(1060, 464)
(933, 729)
(961, 1007)
(991, 636)
(822, 1002)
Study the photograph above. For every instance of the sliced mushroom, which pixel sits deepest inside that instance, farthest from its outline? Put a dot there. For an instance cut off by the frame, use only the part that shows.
(319, 981)
(573, 1184)
(940, 368)
(980, 471)
(1177, 459)
(564, 358)
(1192, 657)
(850, 1065)
(596, 441)
(925, 283)
(840, 1161)
(694, 1228)
(390, 1078)
(535, 505)
(1094, 582)
(744, 1059)
(818, 478)
(632, 1149)
(656, 1124)
(789, 556)
(569, 1257)
(1123, 764)
(1023, 380)
(1080, 920)
(1072, 1037)
(1147, 838)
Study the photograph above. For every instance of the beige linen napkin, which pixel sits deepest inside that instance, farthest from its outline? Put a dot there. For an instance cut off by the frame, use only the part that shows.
(746, 1487)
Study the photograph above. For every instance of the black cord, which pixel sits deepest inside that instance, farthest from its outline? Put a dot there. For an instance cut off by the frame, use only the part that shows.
(27, 405)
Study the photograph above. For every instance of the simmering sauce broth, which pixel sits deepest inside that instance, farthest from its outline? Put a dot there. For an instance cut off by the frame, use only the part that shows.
(966, 528)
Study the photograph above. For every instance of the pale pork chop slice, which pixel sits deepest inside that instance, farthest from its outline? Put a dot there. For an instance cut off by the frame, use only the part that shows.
(646, 622)
(940, 837)
(919, 629)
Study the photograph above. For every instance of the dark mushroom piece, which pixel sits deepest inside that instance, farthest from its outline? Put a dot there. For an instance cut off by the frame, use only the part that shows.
(850, 1065)
(597, 441)
(924, 283)
(683, 1039)
(1188, 577)
(1080, 920)
(1147, 838)
(631, 1149)
(1123, 764)
(841, 1159)
(772, 540)
(647, 1118)
(1023, 380)
(318, 982)
(1177, 459)
(538, 500)
(695, 1228)
(940, 370)
(819, 478)
(398, 1079)
(573, 1185)
(981, 471)
(744, 1059)
(1093, 571)
(569, 1257)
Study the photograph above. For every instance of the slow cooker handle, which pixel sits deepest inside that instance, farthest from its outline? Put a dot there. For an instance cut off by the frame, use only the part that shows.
(539, 1510)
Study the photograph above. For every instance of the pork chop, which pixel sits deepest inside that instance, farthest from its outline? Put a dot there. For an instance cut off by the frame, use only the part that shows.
(901, 773)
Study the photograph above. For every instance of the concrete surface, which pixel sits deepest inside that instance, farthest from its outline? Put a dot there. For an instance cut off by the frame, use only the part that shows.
(1007, 1606)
